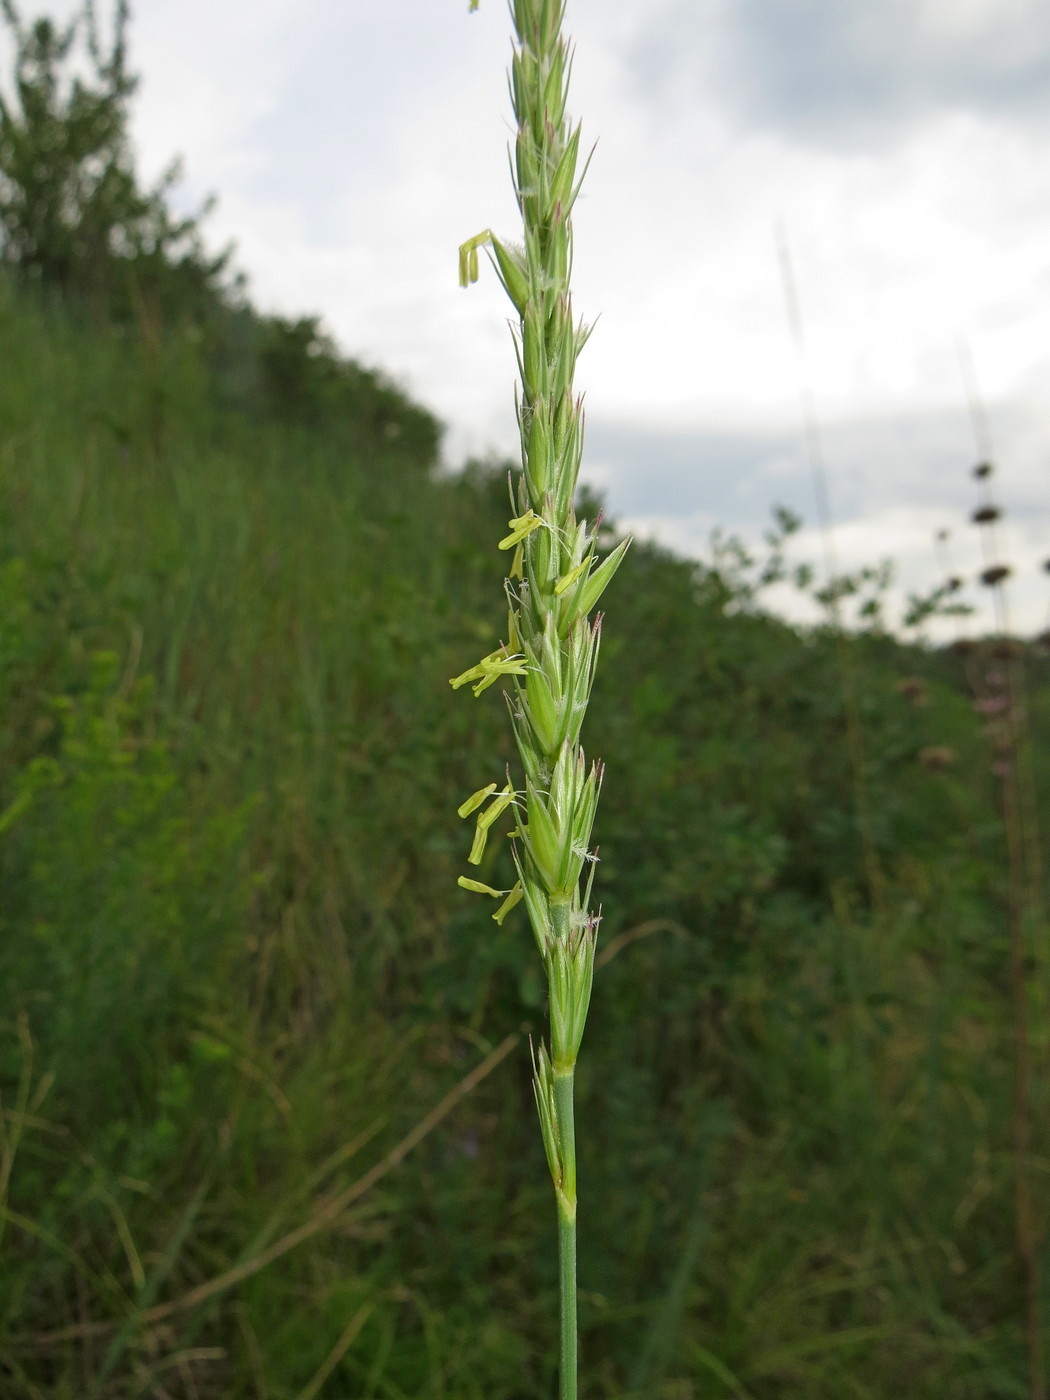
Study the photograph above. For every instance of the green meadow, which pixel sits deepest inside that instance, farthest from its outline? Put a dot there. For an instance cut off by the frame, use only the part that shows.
(267, 1128)
(237, 971)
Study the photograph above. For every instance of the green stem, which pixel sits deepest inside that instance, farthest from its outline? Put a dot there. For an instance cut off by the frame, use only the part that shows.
(566, 1197)
(567, 1269)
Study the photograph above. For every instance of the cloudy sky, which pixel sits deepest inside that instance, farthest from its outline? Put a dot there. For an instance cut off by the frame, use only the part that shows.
(902, 149)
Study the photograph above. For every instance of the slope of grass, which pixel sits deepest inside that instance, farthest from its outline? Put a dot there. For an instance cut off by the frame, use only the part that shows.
(236, 969)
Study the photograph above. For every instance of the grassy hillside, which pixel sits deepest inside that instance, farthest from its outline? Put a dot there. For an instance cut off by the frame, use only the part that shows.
(236, 970)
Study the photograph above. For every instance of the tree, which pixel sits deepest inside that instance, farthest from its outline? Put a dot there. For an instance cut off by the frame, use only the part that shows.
(72, 212)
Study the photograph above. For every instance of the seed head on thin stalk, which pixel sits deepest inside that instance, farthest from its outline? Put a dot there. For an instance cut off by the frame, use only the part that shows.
(1001, 701)
(548, 655)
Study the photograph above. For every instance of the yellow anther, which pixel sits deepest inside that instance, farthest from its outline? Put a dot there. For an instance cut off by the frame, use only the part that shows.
(475, 800)
(520, 527)
(567, 580)
(476, 887)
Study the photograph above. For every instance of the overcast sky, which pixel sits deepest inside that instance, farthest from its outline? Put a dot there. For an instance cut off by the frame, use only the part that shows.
(903, 146)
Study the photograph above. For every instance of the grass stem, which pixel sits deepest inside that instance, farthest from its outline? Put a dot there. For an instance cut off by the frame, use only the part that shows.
(567, 1275)
(564, 1090)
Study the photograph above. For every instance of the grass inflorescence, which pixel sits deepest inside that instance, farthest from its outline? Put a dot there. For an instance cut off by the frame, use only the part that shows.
(556, 579)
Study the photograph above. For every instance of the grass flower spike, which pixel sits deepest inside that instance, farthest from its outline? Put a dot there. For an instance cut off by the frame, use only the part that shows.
(554, 583)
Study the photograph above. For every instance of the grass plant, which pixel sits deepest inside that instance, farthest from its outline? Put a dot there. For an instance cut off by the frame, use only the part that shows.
(556, 579)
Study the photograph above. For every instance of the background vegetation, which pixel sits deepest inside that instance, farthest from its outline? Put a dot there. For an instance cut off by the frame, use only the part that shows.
(238, 980)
